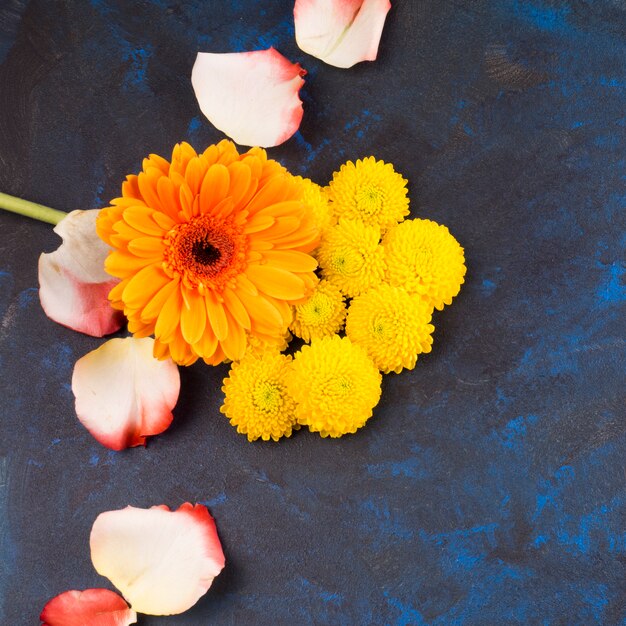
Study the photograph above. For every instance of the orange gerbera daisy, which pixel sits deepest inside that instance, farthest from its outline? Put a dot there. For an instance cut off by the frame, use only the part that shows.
(211, 249)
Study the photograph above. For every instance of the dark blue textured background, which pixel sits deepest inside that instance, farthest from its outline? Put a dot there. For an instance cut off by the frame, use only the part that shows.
(489, 487)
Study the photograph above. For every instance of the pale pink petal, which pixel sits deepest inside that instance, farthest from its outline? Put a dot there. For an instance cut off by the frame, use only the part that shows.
(250, 96)
(123, 394)
(92, 607)
(73, 286)
(162, 561)
(340, 32)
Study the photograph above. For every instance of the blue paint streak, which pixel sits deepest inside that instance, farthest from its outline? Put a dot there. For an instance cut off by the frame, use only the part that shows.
(613, 289)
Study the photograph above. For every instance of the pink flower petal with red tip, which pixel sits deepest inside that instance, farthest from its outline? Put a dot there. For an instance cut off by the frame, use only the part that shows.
(340, 32)
(123, 394)
(92, 607)
(162, 561)
(250, 96)
(73, 286)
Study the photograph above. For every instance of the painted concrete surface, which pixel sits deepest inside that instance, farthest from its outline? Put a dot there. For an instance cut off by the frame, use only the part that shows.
(489, 487)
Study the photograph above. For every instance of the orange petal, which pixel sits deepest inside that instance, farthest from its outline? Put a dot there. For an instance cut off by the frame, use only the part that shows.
(181, 351)
(274, 191)
(276, 282)
(235, 307)
(284, 226)
(257, 224)
(193, 317)
(241, 189)
(169, 316)
(142, 287)
(291, 260)
(168, 194)
(163, 220)
(122, 265)
(264, 317)
(214, 187)
(186, 201)
(141, 218)
(154, 160)
(208, 343)
(234, 345)
(287, 208)
(130, 188)
(196, 169)
(217, 317)
(148, 186)
(151, 311)
(146, 246)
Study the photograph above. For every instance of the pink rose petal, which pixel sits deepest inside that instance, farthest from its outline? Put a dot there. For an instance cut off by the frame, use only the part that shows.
(340, 32)
(250, 96)
(162, 561)
(92, 607)
(123, 394)
(73, 286)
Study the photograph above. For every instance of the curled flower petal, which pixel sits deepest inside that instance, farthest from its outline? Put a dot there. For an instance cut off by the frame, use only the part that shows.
(250, 96)
(73, 286)
(123, 394)
(96, 607)
(340, 32)
(162, 561)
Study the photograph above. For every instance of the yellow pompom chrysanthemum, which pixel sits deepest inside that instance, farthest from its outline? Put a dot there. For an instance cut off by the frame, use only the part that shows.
(316, 198)
(351, 257)
(392, 326)
(257, 402)
(322, 315)
(370, 191)
(425, 259)
(335, 385)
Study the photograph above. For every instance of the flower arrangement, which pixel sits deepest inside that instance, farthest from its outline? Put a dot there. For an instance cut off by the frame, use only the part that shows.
(224, 256)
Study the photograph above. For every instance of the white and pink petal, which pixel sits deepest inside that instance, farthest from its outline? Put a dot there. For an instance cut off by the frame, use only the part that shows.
(73, 286)
(340, 32)
(123, 394)
(250, 96)
(162, 561)
(95, 607)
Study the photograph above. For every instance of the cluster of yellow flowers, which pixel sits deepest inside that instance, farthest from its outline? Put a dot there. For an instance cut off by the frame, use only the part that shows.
(381, 278)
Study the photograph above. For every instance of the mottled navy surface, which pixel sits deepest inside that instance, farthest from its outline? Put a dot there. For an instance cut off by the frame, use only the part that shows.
(489, 487)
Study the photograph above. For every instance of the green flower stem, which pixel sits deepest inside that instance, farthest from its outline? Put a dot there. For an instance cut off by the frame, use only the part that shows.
(31, 209)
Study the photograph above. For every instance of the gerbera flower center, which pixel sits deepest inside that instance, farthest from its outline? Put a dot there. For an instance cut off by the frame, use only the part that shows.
(369, 200)
(267, 397)
(205, 251)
